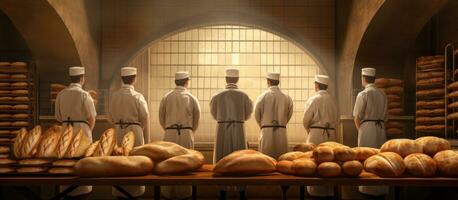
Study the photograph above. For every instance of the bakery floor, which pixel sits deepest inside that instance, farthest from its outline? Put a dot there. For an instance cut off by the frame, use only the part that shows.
(253, 193)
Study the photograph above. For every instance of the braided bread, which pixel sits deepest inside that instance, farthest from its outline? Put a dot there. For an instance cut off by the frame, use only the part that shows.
(106, 143)
(64, 142)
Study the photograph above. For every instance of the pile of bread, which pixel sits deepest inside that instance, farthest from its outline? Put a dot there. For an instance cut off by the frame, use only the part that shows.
(453, 107)
(394, 90)
(55, 88)
(430, 105)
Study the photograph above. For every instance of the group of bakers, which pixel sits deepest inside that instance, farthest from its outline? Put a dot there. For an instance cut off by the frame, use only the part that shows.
(179, 115)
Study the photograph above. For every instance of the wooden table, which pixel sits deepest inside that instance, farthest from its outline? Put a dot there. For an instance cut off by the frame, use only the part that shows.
(206, 177)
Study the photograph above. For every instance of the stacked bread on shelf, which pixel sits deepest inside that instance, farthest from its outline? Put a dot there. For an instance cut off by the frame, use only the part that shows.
(394, 91)
(16, 104)
(430, 105)
(55, 88)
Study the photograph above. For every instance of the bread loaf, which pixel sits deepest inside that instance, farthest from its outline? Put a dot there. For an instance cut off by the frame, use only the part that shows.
(20, 116)
(453, 86)
(5, 170)
(430, 104)
(293, 155)
(344, 154)
(331, 144)
(31, 169)
(18, 64)
(19, 92)
(285, 167)
(393, 131)
(4, 64)
(65, 163)
(90, 150)
(352, 168)
(430, 59)
(18, 76)
(5, 124)
(127, 143)
(453, 105)
(428, 75)
(304, 147)
(329, 169)
(19, 84)
(4, 149)
(34, 161)
(79, 145)
(61, 170)
(385, 164)
(363, 153)
(30, 143)
(48, 144)
(5, 107)
(20, 99)
(395, 90)
(447, 162)
(403, 147)
(5, 116)
(453, 94)
(429, 120)
(20, 107)
(180, 164)
(420, 165)
(382, 82)
(6, 161)
(323, 154)
(430, 112)
(392, 98)
(245, 162)
(395, 111)
(431, 145)
(106, 143)
(20, 124)
(304, 167)
(431, 128)
(452, 116)
(159, 150)
(430, 93)
(6, 98)
(431, 82)
(4, 155)
(105, 166)
(64, 142)
(57, 87)
(18, 142)
(393, 105)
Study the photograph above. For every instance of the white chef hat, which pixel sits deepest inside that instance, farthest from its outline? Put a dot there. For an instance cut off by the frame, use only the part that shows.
(128, 71)
(181, 75)
(368, 71)
(323, 79)
(232, 72)
(273, 75)
(76, 70)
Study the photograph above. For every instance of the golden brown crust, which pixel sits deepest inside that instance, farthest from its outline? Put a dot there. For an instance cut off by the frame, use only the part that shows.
(245, 162)
(385, 164)
(30, 143)
(431, 145)
(420, 165)
(79, 145)
(304, 147)
(329, 169)
(180, 164)
(90, 150)
(106, 143)
(64, 163)
(430, 93)
(403, 147)
(293, 155)
(159, 150)
(430, 112)
(344, 154)
(61, 170)
(114, 166)
(19, 142)
(352, 168)
(64, 142)
(34, 161)
(363, 153)
(127, 143)
(447, 162)
(31, 169)
(49, 142)
(323, 154)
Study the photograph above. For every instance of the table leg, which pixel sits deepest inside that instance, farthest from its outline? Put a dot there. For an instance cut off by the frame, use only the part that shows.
(65, 192)
(157, 192)
(284, 189)
(26, 192)
(194, 192)
(301, 192)
(124, 192)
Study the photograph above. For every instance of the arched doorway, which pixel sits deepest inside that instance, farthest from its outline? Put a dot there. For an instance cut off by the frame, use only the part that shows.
(206, 52)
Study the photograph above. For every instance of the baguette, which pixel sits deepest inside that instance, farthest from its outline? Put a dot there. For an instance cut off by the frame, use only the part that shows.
(6, 170)
(392, 105)
(180, 164)
(159, 150)
(453, 86)
(5, 124)
(453, 116)
(453, 94)
(391, 98)
(106, 144)
(128, 142)
(430, 93)
(394, 90)
(61, 170)
(4, 64)
(428, 75)
(20, 107)
(79, 145)
(4, 155)
(430, 112)
(20, 116)
(18, 76)
(431, 104)
(431, 82)
(394, 124)
(4, 76)
(18, 143)
(31, 169)
(19, 92)
(395, 111)
(21, 99)
(57, 87)
(430, 128)
(5, 107)
(6, 161)
(30, 143)
(105, 166)
(64, 163)
(34, 161)
(429, 120)
(90, 150)
(64, 142)
(18, 64)
(6, 98)
(4, 149)
(20, 123)
(19, 84)
(49, 142)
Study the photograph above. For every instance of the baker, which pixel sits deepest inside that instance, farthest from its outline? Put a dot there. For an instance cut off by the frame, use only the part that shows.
(128, 111)
(75, 107)
(179, 115)
(320, 120)
(272, 112)
(369, 114)
(230, 108)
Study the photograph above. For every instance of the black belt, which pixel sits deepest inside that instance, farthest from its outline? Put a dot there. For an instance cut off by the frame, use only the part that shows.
(274, 125)
(124, 125)
(378, 122)
(325, 129)
(72, 122)
(178, 127)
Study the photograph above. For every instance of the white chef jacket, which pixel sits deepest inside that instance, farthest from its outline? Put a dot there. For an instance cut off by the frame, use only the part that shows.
(128, 110)
(179, 114)
(75, 104)
(321, 112)
(231, 108)
(273, 108)
(371, 104)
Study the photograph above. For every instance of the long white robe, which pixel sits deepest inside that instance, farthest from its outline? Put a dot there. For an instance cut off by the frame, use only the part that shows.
(179, 108)
(230, 105)
(75, 104)
(320, 111)
(273, 107)
(371, 104)
(129, 106)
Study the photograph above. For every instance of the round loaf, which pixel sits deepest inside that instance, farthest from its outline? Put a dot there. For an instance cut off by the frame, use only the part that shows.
(159, 150)
(352, 168)
(323, 154)
(447, 162)
(329, 169)
(385, 164)
(420, 165)
(304, 147)
(245, 163)
(285, 167)
(293, 155)
(304, 167)
(431, 145)
(180, 164)
(105, 166)
(403, 147)
(344, 154)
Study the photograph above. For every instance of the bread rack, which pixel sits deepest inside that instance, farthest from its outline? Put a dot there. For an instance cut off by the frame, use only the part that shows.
(449, 58)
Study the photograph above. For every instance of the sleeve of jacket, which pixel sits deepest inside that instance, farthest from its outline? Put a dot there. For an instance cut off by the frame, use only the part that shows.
(290, 108)
(214, 107)
(143, 111)
(308, 113)
(360, 106)
(196, 113)
(162, 112)
(259, 109)
(248, 108)
(89, 106)
(57, 113)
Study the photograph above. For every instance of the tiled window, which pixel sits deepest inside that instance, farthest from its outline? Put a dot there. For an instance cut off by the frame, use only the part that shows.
(207, 51)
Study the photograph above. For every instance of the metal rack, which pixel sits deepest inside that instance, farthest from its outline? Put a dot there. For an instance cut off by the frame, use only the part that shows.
(449, 64)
